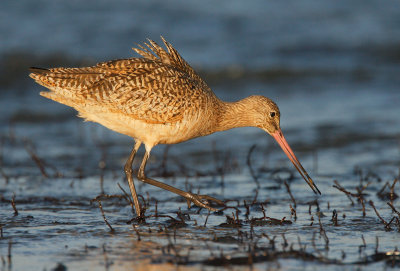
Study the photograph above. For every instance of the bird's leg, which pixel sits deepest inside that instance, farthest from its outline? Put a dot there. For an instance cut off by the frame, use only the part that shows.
(190, 197)
(128, 172)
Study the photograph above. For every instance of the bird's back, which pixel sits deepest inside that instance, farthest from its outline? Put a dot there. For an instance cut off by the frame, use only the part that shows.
(160, 87)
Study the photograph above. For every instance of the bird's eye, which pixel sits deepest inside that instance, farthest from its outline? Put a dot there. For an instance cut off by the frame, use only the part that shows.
(272, 114)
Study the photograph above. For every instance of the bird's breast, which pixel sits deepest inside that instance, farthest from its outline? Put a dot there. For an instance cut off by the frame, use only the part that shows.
(190, 126)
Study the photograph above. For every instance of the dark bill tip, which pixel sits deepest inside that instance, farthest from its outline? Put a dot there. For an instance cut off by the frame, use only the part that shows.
(288, 151)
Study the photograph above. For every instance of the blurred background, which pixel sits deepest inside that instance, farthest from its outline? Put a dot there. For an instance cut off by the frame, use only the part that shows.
(333, 68)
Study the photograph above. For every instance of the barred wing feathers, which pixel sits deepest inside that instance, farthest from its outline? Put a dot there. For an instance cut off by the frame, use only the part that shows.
(158, 88)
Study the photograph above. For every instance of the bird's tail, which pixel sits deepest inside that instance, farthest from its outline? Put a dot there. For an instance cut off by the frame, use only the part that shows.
(52, 80)
(39, 75)
(36, 70)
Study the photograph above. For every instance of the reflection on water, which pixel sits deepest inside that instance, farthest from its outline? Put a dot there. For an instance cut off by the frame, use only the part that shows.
(332, 67)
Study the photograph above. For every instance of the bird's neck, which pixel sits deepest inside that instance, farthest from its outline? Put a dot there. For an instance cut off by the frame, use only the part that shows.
(235, 114)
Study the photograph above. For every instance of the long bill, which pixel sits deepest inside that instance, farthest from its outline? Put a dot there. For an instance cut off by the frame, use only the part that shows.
(286, 148)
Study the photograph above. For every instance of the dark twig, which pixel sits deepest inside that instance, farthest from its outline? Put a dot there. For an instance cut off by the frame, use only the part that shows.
(380, 192)
(13, 205)
(205, 222)
(104, 216)
(271, 240)
(255, 197)
(348, 194)
(39, 162)
(137, 232)
(285, 243)
(394, 209)
(363, 206)
(335, 218)
(263, 210)
(323, 234)
(247, 207)
(363, 246)
(359, 196)
(128, 198)
(290, 194)
(293, 212)
(393, 195)
(387, 225)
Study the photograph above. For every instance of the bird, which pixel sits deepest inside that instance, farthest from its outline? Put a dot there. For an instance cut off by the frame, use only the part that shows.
(158, 98)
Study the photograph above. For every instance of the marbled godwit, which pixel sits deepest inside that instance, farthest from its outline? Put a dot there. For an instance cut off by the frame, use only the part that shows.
(158, 99)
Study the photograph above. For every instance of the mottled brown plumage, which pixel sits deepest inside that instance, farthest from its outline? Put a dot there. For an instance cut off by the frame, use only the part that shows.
(157, 99)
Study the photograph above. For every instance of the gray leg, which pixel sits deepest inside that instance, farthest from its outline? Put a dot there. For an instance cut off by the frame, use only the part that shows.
(190, 197)
(128, 173)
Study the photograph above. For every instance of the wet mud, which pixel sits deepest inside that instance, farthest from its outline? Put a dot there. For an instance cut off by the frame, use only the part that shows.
(60, 214)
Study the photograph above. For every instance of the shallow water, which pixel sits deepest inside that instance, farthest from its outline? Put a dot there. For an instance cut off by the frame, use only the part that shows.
(332, 67)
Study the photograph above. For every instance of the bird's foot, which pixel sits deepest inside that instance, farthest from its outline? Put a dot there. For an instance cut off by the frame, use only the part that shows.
(200, 200)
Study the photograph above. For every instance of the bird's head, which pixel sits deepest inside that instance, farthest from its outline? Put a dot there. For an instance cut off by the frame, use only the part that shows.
(267, 117)
(266, 113)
